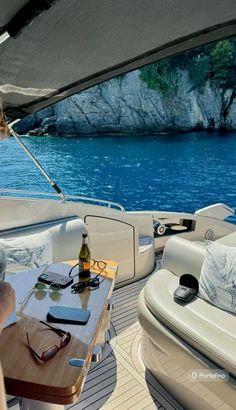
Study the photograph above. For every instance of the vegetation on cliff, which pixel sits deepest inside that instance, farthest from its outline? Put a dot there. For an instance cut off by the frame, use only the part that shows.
(214, 63)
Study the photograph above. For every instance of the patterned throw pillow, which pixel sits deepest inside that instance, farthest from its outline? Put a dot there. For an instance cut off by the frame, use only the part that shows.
(217, 282)
(29, 251)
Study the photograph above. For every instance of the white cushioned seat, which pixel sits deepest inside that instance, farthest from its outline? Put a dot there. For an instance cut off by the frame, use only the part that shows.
(66, 237)
(178, 339)
(228, 240)
(28, 250)
(208, 329)
(182, 256)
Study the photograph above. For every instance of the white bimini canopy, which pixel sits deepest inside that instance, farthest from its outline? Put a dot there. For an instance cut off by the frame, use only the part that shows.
(56, 48)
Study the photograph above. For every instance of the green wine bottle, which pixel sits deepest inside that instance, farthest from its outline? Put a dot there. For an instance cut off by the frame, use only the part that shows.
(84, 258)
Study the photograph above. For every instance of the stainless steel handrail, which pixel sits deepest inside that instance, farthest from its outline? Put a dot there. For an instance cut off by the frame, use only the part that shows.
(35, 194)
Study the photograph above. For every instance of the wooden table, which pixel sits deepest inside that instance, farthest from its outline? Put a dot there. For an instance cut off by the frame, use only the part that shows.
(54, 381)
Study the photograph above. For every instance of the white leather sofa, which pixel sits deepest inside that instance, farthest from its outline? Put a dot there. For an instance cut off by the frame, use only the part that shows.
(179, 339)
(65, 234)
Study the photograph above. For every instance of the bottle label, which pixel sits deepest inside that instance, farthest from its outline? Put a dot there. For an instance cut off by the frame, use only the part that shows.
(84, 266)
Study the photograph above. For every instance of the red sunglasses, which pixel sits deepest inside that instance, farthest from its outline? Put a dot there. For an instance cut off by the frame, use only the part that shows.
(54, 349)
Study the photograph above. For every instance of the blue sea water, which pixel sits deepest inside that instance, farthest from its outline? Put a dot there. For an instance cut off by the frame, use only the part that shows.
(178, 172)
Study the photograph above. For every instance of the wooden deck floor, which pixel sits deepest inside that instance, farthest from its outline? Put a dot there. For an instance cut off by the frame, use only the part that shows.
(120, 381)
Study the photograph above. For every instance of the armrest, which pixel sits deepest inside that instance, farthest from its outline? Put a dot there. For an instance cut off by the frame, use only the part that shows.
(183, 256)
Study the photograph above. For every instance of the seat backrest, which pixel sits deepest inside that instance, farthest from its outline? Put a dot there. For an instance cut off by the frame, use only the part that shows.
(228, 240)
(183, 256)
(67, 239)
(66, 236)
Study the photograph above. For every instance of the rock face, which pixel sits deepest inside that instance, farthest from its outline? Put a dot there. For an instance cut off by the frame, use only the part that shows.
(126, 105)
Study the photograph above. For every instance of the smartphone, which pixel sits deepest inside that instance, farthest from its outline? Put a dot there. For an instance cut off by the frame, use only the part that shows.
(64, 314)
(49, 277)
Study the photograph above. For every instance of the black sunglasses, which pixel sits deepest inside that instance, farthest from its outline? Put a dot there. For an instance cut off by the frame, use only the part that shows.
(80, 286)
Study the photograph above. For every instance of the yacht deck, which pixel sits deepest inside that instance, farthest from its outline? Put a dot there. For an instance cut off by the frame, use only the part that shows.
(120, 380)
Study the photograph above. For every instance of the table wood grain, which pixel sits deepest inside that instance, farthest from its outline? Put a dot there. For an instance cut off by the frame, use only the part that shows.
(54, 381)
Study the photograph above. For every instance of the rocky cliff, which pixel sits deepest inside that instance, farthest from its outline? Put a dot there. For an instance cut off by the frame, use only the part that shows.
(127, 105)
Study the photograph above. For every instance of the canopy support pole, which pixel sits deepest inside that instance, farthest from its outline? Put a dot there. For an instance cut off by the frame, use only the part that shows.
(35, 161)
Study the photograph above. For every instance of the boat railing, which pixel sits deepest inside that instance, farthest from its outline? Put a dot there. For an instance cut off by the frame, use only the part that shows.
(19, 193)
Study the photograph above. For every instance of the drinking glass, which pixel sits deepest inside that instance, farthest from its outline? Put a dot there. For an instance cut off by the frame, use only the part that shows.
(3, 265)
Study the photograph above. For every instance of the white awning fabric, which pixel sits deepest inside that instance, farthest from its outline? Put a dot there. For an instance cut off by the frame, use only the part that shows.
(78, 43)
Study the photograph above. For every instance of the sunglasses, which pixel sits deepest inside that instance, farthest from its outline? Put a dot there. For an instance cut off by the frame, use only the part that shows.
(91, 283)
(100, 264)
(42, 286)
(93, 264)
(39, 290)
(54, 349)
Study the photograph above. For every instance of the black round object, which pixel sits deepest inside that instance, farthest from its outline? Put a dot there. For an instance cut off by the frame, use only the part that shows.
(189, 281)
(187, 289)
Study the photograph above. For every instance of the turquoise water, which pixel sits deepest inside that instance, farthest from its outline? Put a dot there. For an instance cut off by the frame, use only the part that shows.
(181, 172)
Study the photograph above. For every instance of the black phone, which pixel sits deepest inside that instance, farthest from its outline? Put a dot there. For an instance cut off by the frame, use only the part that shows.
(49, 277)
(64, 314)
